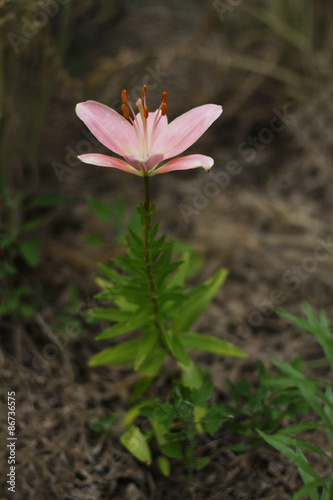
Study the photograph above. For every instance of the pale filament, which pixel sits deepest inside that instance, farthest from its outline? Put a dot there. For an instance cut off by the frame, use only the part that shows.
(145, 142)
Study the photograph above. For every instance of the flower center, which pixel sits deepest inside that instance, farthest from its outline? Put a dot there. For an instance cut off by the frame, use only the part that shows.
(145, 135)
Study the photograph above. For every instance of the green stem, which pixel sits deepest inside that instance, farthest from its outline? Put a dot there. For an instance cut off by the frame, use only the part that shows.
(147, 256)
(191, 435)
(163, 335)
(147, 192)
(147, 217)
(331, 491)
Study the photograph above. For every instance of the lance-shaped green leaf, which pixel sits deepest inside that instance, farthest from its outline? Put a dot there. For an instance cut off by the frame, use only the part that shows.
(153, 232)
(153, 363)
(30, 251)
(179, 351)
(176, 347)
(124, 305)
(179, 278)
(148, 372)
(162, 272)
(134, 241)
(137, 445)
(115, 315)
(300, 443)
(164, 465)
(199, 412)
(310, 489)
(305, 426)
(308, 388)
(134, 321)
(117, 355)
(277, 441)
(148, 342)
(320, 329)
(197, 301)
(207, 343)
(160, 430)
(191, 376)
(134, 411)
(117, 280)
(172, 450)
(133, 268)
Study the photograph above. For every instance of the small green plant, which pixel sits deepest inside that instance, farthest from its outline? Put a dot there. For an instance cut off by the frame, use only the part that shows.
(159, 305)
(21, 217)
(150, 293)
(149, 300)
(265, 407)
(175, 424)
(319, 396)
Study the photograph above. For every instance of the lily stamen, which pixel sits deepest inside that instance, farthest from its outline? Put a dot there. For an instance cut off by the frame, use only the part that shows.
(126, 100)
(144, 95)
(126, 112)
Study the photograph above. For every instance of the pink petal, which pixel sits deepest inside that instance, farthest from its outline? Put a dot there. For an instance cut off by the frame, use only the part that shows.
(182, 132)
(156, 124)
(108, 161)
(162, 123)
(149, 162)
(153, 118)
(153, 160)
(186, 163)
(109, 127)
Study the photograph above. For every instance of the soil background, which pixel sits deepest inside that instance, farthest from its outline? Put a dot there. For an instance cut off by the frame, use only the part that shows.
(264, 212)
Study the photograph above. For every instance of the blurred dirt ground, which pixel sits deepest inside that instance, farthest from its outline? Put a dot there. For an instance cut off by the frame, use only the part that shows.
(264, 212)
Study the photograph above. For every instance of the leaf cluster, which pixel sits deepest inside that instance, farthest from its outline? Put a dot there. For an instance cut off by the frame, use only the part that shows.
(265, 408)
(149, 294)
(175, 426)
(21, 217)
(318, 395)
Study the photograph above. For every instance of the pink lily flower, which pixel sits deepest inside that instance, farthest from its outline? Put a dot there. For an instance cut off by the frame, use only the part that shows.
(146, 139)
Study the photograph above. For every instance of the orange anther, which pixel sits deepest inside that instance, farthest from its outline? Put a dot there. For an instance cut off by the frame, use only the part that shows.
(125, 96)
(145, 112)
(164, 97)
(164, 109)
(144, 92)
(125, 111)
